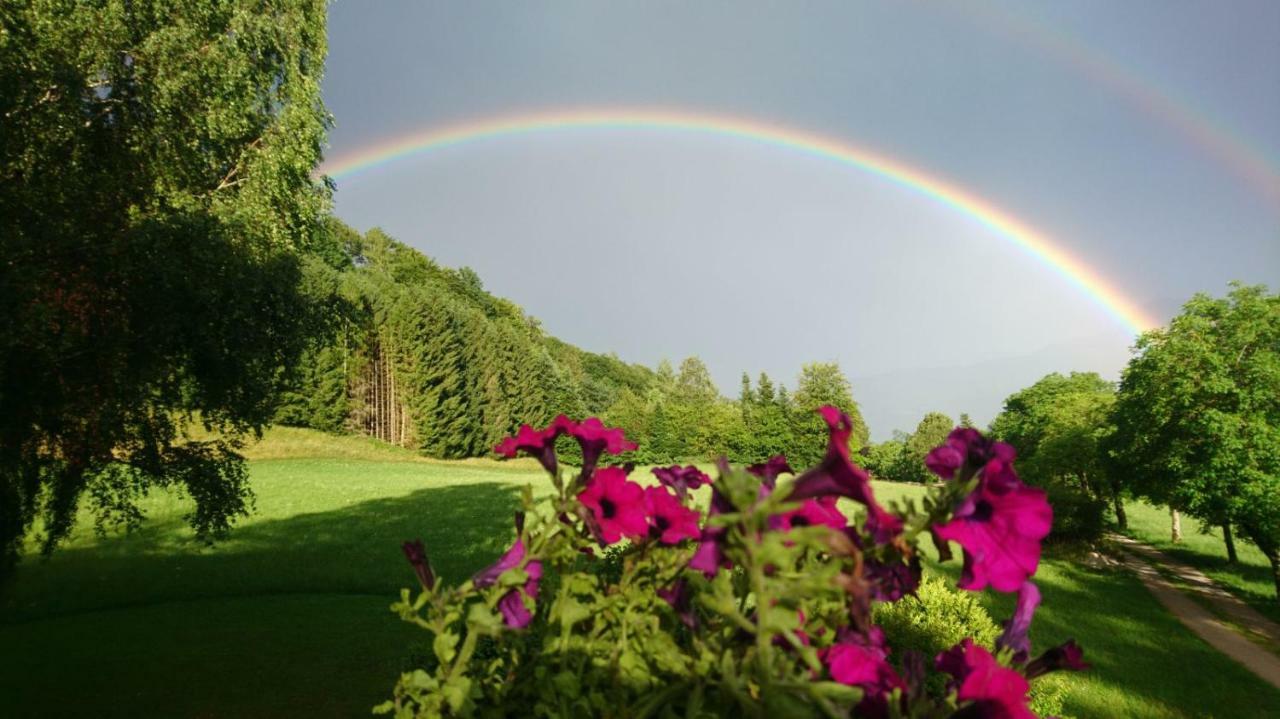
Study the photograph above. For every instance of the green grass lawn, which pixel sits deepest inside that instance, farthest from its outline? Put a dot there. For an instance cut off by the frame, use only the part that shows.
(1250, 578)
(289, 616)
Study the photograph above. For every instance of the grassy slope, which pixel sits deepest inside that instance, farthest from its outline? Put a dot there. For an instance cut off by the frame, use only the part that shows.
(1250, 578)
(289, 616)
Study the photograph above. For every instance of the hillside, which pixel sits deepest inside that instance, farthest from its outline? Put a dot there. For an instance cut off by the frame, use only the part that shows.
(424, 358)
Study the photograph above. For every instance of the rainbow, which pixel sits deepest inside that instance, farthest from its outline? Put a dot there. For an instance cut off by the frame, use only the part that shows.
(1244, 159)
(1035, 243)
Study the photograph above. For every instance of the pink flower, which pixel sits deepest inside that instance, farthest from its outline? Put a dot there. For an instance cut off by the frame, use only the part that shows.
(838, 475)
(416, 553)
(680, 599)
(1064, 656)
(944, 460)
(861, 660)
(514, 612)
(488, 576)
(1000, 527)
(1015, 636)
(617, 504)
(892, 581)
(595, 438)
(538, 443)
(966, 449)
(820, 511)
(992, 691)
(681, 479)
(769, 470)
(709, 558)
(669, 520)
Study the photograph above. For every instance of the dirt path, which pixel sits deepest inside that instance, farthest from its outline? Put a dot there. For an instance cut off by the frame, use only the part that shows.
(1139, 558)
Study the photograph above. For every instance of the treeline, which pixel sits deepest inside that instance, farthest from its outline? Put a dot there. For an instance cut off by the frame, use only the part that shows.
(426, 358)
(683, 417)
(1193, 424)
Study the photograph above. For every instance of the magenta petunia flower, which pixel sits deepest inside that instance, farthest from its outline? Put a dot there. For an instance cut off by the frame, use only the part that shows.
(837, 475)
(1067, 656)
(416, 553)
(537, 443)
(595, 438)
(1000, 532)
(669, 520)
(709, 557)
(681, 479)
(892, 581)
(488, 576)
(1015, 636)
(680, 599)
(820, 511)
(990, 690)
(944, 460)
(769, 470)
(861, 660)
(515, 613)
(967, 450)
(616, 503)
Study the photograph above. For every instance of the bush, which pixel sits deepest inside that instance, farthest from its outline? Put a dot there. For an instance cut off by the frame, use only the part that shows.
(936, 618)
(1077, 517)
(623, 600)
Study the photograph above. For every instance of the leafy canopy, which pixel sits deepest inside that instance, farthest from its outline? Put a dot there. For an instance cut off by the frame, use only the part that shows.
(155, 185)
(1197, 415)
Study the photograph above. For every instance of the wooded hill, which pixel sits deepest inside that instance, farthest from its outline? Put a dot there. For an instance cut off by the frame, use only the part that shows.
(424, 357)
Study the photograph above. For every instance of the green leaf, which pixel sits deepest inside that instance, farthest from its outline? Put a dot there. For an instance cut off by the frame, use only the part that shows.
(445, 646)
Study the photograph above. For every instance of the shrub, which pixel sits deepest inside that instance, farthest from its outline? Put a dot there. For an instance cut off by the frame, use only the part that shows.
(621, 600)
(935, 618)
(1077, 517)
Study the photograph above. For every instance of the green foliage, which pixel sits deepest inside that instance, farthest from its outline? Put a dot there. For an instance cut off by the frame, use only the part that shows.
(931, 432)
(821, 383)
(1197, 416)
(428, 359)
(601, 639)
(880, 459)
(155, 184)
(1058, 425)
(935, 619)
(1077, 516)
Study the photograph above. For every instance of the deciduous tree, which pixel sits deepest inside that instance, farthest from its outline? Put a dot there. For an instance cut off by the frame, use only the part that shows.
(1197, 415)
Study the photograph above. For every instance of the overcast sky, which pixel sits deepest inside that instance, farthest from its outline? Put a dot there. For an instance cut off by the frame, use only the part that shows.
(1142, 136)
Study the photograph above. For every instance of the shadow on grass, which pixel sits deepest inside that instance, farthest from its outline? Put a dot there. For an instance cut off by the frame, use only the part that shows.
(1145, 662)
(351, 550)
(1238, 577)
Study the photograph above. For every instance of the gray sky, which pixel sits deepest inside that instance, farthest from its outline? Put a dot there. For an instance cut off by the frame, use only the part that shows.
(1084, 120)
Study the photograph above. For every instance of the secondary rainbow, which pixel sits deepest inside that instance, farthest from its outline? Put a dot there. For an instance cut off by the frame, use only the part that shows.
(1034, 242)
(1193, 122)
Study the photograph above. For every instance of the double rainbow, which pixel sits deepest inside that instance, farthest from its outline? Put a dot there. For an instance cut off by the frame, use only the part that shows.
(1034, 242)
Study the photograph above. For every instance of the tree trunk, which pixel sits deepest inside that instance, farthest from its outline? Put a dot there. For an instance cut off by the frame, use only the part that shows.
(1275, 571)
(1231, 543)
(1176, 525)
(1267, 543)
(1122, 519)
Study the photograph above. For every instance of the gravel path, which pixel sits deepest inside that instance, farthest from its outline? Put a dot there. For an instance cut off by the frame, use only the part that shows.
(1139, 558)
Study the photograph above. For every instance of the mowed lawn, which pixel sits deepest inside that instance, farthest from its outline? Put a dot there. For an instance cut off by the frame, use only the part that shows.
(1202, 547)
(289, 616)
